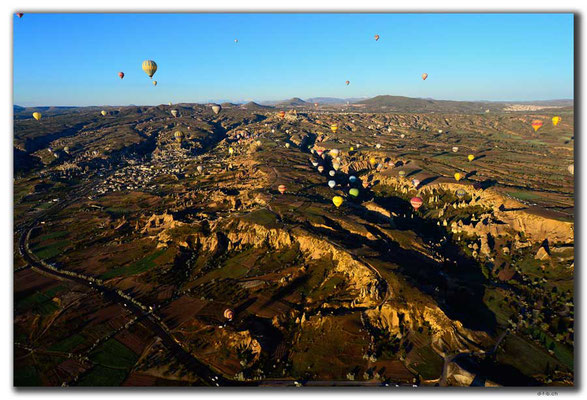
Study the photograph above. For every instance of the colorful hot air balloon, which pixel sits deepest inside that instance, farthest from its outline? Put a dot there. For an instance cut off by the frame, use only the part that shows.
(150, 67)
(461, 193)
(536, 124)
(103, 113)
(37, 115)
(121, 75)
(348, 82)
(376, 37)
(174, 112)
(471, 157)
(216, 108)
(154, 83)
(228, 314)
(320, 168)
(556, 120)
(331, 184)
(458, 177)
(354, 192)
(281, 189)
(19, 15)
(337, 200)
(424, 76)
(178, 135)
(402, 174)
(333, 128)
(415, 182)
(416, 202)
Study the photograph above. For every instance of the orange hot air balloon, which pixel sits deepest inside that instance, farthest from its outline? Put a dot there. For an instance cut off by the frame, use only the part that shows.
(536, 124)
(556, 120)
(281, 189)
(348, 82)
(416, 202)
(228, 314)
(376, 37)
(282, 114)
(121, 75)
(424, 76)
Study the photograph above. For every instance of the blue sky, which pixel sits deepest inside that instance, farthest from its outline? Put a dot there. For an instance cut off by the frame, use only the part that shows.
(74, 59)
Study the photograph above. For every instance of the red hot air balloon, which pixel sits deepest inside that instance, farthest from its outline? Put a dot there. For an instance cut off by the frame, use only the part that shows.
(416, 202)
(121, 75)
(281, 189)
(348, 82)
(19, 15)
(228, 314)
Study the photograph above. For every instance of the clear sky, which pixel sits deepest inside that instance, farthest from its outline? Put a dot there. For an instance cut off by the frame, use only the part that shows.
(74, 59)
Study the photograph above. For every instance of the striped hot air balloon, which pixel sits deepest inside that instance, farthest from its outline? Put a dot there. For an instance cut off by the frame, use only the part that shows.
(416, 202)
(536, 124)
(150, 67)
(228, 314)
(281, 189)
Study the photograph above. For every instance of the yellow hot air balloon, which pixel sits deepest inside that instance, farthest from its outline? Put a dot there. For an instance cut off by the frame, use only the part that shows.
(103, 113)
(37, 115)
(372, 160)
(458, 177)
(556, 120)
(150, 67)
(333, 128)
(230, 150)
(471, 157)
(337, 200)
(178, 135)
(154, 83)
(352, 148)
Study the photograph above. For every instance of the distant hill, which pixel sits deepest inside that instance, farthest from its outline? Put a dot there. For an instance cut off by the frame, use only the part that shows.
(294, 102)
(334, 100)
(251, 105)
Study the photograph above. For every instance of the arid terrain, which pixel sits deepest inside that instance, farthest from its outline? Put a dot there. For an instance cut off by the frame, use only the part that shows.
(131, 241)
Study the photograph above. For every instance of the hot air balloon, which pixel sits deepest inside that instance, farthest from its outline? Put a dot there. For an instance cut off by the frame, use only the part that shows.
(314, 163)
(315, 104)
(536, 124)
(178, 135)
(66, 149)
(571, 169)
(402, 174)
(333, 128)
(19, 15)
(332, 184)
(228, 314)
(320, 168)
(103, 113)
(281, 189)
(337, 200)
(556, 120)
(402, 136)
(471, 157)
(372, 160)
(336, 165)
(415, 182)
(331, 172)
(121, 75)
(154, 83)
(282, 114)
(376, 37)
(37, 115)
(236, 40)
(416, 202)
(230, 150)
(216, 108)
(378, 145)
(455, 149)
(287, 145)
(174, 112)
(352, 148)
(461, 193)
(352, 179)
(348, 82)
(424, 76)
(319, 151)
(150, 67)
(354, 192)
(457, 176)
(200, 168)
